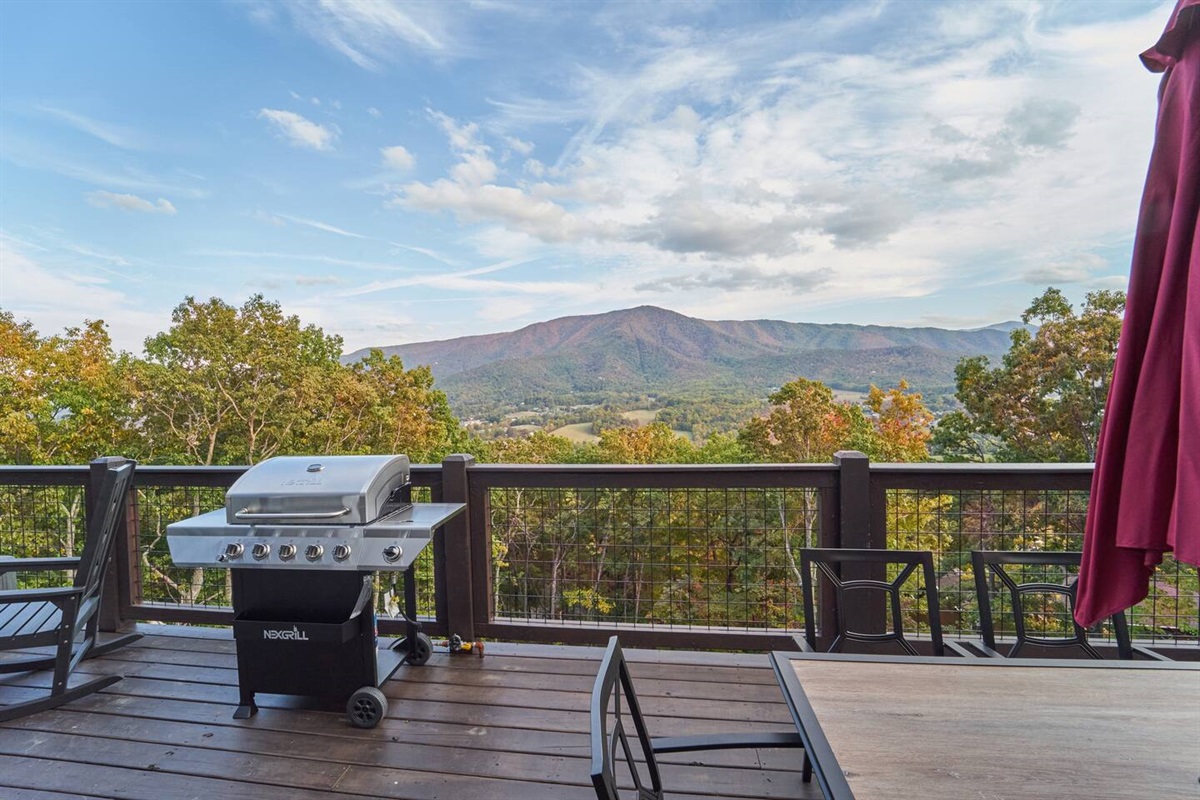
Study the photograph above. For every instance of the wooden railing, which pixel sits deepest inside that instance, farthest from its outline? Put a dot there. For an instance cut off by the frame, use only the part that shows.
(690, 556)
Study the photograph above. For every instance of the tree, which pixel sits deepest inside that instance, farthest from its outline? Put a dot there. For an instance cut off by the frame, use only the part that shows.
(1045, 402)
(806, 424)
(649, 444)
(901, 424)
(227, 385)
(62, 398)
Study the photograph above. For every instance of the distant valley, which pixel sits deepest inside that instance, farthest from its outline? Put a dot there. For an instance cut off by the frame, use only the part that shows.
(653, 352)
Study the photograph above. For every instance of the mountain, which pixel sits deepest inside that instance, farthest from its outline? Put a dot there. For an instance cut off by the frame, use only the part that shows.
(648, 350)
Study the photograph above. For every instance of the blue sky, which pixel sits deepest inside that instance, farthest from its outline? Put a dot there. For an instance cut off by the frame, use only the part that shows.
(399, 172)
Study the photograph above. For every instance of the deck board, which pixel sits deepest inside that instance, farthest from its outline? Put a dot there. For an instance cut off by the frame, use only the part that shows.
(511, 725)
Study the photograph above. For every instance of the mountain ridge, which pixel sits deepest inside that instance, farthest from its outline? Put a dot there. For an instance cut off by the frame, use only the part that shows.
(651, 350)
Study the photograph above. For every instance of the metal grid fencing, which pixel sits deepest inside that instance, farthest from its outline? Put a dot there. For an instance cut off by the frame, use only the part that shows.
(682, 557)
(952, 523)
(40, 521)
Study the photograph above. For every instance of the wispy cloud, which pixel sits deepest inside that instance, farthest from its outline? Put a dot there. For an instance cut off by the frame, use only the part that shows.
(369, 32)
(130, 202)
(321, 226)
(453, 280)
(55, 297)
(116, 135)
(299, 131)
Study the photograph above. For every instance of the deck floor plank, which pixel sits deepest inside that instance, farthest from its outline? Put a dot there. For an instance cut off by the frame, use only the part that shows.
(511, 725)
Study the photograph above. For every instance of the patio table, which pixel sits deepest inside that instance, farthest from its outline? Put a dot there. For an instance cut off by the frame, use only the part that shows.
(994, 729)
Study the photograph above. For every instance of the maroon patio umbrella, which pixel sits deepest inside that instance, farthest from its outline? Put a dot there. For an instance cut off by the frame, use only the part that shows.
(1146, 488)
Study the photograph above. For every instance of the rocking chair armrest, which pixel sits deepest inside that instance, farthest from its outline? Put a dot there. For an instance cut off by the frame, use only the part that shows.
(37, 595)
(38, 564)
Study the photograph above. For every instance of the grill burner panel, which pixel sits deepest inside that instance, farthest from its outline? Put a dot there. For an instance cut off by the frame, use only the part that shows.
(204, 541)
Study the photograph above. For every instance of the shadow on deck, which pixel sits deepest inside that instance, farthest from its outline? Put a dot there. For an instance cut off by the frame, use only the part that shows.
(512, 725)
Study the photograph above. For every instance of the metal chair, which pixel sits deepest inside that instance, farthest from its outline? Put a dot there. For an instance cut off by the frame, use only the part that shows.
(829, 560)
(65, 618)
(613, 684)
(994, 563)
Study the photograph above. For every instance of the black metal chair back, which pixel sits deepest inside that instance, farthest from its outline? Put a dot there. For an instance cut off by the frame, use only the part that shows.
(829, 561)
(615, 703)
(614, 699)
(988, 563)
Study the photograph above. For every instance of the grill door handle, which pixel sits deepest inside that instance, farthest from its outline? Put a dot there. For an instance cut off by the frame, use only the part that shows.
(246, 513)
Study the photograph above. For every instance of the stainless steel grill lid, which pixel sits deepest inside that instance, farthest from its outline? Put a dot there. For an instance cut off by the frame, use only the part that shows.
(315, 490)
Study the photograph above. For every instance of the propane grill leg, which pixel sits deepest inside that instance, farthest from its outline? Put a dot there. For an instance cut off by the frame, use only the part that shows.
(247, 708)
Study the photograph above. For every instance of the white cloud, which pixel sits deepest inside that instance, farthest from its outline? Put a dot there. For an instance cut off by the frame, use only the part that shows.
(374, 112)
(130, 202)
(397, 157)
(299, 131)
(781, 164)
(54, 297)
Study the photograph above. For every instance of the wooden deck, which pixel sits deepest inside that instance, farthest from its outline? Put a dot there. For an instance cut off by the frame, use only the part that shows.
(510, 726)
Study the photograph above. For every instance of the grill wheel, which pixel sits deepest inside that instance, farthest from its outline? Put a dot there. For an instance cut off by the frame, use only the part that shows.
(366, 707)
(418, 656)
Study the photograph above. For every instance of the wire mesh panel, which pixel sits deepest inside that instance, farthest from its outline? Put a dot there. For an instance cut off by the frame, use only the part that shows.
(40, 521)
(684, 557)
(953, 522)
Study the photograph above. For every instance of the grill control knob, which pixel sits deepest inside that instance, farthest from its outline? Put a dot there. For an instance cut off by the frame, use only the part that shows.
(314, 552)
(232, 550)
(260, 551)
(341, 552)
(287, 552)
(392, 553)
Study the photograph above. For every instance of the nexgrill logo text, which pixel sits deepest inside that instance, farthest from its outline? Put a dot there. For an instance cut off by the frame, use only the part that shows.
(295, 635)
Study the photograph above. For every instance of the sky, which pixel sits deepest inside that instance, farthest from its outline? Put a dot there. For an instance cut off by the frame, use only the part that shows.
(397, 172)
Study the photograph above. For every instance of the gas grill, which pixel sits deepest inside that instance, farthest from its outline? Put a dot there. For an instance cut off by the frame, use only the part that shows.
(303, 537)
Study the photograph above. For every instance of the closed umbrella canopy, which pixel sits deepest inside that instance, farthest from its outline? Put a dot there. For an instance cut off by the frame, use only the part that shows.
(1145, 497)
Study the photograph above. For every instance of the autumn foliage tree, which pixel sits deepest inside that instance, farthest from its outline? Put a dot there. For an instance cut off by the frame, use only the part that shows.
(62, 398)
(807, 424)
(1045, 401)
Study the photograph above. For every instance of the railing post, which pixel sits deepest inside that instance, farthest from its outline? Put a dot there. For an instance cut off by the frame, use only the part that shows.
(114, 592)
(864, 612)
(457, 582)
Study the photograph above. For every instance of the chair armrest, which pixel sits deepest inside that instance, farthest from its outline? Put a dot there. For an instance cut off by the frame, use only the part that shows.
(1147, 653)
(38, 595)
(960, 650)
(724, 741)
(979, 648)
(802, 644)
(38, 564)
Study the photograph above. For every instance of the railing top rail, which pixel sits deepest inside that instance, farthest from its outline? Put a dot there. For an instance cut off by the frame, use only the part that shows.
(698, 476)
(22, 475)
(959, 475)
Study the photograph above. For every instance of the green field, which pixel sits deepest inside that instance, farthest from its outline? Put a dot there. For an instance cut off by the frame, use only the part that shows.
(581, 432)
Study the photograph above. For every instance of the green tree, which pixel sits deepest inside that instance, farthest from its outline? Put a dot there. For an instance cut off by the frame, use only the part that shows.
(62, 398)
(807, 424)
(649, 444)
(1045, 401)
(231, 385)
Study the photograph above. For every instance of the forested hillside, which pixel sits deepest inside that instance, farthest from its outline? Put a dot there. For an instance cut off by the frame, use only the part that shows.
(653, 351)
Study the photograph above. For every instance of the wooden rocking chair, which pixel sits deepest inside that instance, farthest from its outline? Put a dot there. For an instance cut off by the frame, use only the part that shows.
(65, 618)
